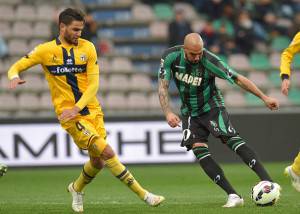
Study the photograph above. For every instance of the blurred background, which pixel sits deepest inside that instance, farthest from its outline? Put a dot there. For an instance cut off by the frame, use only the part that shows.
(130, 37)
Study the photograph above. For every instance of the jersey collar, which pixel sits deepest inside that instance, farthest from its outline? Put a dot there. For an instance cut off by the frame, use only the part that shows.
(58, 42)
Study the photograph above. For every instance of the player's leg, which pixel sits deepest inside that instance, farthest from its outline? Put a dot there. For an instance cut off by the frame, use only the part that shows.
(82, 132)
(100, 148)
(90, 169)
(293, 171)
(195, 138)
(238, 145)
(230, 137)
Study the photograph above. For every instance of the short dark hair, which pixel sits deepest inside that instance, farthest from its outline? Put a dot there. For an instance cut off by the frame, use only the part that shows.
(69, 15)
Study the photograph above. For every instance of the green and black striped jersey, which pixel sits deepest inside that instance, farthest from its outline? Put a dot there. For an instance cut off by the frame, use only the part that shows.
(195, 82)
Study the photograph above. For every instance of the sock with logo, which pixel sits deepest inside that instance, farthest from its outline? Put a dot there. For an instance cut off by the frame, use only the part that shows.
(120, 171)
(86, 176)
(251, 159)
(212, 169)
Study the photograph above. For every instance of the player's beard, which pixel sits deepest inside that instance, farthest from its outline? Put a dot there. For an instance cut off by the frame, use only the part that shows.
(189, 61)
(193, 62)
(68, 38)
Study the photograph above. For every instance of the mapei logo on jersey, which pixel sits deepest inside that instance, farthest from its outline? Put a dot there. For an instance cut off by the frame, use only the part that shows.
(189, 79)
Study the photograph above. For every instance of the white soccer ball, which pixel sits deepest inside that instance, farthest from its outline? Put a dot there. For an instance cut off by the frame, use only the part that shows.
(265, 193)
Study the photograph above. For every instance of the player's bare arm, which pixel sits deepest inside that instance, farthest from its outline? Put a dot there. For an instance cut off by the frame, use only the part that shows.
(163, 86)
(172, 119)
(249, 86)
(285, 85)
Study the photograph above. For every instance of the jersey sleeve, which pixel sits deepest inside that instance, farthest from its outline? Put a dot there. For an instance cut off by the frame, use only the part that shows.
(93, 79)
(288, 55)
(219, 68)
(92, 63)
(29, 60)
(165, 69)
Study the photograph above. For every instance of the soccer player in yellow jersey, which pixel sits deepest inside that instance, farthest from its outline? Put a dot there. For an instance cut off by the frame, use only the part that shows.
(71, 69)
(292, 171)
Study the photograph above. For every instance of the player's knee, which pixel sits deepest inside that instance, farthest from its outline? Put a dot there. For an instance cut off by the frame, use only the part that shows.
(97, 162)
(233, 142)
(200, 150)
(107, 153)
(97, 146)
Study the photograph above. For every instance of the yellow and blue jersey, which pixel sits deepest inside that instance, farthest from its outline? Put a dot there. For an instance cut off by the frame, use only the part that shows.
(288, 55)
(72, 73)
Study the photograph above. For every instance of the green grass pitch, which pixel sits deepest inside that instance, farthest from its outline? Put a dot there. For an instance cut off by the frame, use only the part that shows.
(186, 188)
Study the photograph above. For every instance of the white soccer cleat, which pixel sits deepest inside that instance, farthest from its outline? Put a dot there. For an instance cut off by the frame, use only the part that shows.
(3, 169)
(294, 178)
(77, 203)
(153, 200)
(234, 201)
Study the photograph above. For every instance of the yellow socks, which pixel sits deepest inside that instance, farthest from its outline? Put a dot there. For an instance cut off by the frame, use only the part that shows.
(117, 169)
(120, 171)
(86, 176)
(296, 165)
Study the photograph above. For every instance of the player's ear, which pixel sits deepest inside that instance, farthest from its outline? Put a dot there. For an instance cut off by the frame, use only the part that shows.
(62, 27)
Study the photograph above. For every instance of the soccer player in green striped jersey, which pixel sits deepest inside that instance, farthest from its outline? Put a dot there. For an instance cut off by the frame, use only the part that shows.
(203, 111)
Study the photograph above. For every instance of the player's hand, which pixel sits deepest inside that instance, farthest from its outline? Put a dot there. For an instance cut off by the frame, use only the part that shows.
(173, 120)
(69, 114)
(271, 103)
(15, 81)
(285, 85)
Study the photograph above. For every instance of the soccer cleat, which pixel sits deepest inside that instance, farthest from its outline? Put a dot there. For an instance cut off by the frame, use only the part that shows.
(234, 201)
(295, 179)
(77, 203)
(153, 200)
(3, 169)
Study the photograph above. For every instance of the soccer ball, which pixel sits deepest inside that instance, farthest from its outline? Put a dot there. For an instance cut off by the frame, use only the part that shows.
(265, 193)
(3, 169)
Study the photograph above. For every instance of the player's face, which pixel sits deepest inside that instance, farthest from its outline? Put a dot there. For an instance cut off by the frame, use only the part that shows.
(193, 55)
(72, 32)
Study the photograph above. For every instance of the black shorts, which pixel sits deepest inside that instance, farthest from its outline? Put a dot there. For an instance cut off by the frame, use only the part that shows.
(197, 129)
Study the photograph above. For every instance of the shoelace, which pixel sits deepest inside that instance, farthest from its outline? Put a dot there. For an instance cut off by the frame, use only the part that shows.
(79, 197)
(153, 199)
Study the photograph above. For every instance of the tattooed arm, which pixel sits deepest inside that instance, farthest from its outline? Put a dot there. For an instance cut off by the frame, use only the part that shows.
(164, 95)
(172, 119)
